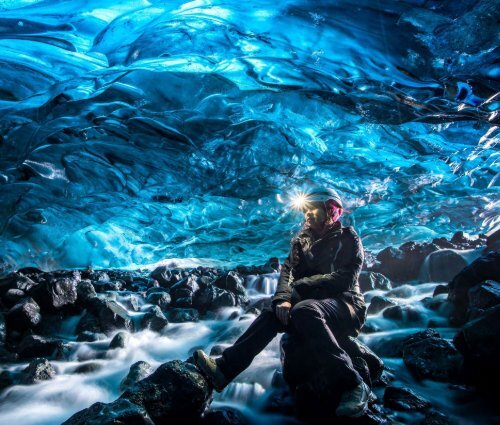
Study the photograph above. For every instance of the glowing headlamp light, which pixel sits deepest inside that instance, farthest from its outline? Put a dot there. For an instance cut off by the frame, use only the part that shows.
(299, 200)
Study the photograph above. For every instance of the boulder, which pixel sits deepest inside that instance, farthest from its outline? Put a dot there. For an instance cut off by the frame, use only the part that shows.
(432, 358)
(440, 289)
(379, 303)
(166, 276)
(154, 319)
(138, 371)
(24, 315)
(40, 346)
(393, 346)
(120, 412)
(55, 294)
(161, 299)
(404, 399)
(37, 371)
(406, 313)
(442, 266)
(212, 298)
(432, 417)
(232, 282)
(484, 295)
(217, 349)
(224, 416)
(110, 315)
(480, 270)
(182, 292)
(369, 281)
(85, 368)
(16, 281)
(179, 315)
(175, 393)
(12, 297)
(120, 340)
(493, 241)
(85, 291)
(3, 330)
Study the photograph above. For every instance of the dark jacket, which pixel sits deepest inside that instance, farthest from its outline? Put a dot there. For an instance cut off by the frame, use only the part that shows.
(328, 267)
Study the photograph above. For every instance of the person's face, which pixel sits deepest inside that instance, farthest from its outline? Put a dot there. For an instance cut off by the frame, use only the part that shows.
(314, 215)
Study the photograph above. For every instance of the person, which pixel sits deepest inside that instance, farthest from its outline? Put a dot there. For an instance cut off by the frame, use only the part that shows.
(317, 298)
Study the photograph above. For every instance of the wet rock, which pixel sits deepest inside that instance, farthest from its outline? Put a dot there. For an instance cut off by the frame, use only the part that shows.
(379, 303)
(87, 368)
(479, 343)
(232, 282)
(224, 416)
(3, 329)
(432, 417)
(180, 315)
(493, 241)
(440, 289)
(356, 349)
(217, 349)
(280, 401)
(12, 297)
(484, 296)
(120, 412)
(403, 264)
(443, 265)
(138, 371)
(165, 276)
(175, 393)
(212, 298)
(16, 281)
(24, 315)
(55, 294)
(161, 299)
(369, 281)
(120, 340)
(37, 371)
(112, 285)
(40, 346)
(404, 399)
(8, 378)
(110, 315)
(88, 325)
(182, 292)
(432, 358)
(393, 346)
(404, 313)
(480, 270)
(85, 291)
(132, 303)
(154, 319)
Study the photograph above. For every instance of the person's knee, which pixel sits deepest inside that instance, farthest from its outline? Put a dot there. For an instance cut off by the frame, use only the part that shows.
(303, 313)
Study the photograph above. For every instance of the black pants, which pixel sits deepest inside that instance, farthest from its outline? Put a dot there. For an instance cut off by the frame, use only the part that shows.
(320, 324)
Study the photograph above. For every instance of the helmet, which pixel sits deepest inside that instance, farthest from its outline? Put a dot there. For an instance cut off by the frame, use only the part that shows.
(324, 195)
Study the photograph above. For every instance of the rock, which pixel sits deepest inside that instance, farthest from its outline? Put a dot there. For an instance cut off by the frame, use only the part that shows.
(88, 336)
(405, 313)
(132, 303)
(119, 340)
(432, 417)
(161, 299)
(356, 349)
(432, 358)
(179, 315)
(110, 315)
(217, 349)
(280, 401)
(120, 412)
(154, 319)
(403, 264)
(138, 371)
(175, 393)
(12, 297)
(232, 282)
(493, 241)
(394, 346)
(3, 330)
(87, 368)
(112, 285)
(85, 291)
(369, 281)
(24, 315)
(440, 289)
(224, 416)
(55, 294)
(8, 378)
(379, 303)
(165, 276)
(480, 270)
(479, 343)
(212, 298)
(37, 371)
(182, 292)
(442, 266)
(87, 325)
(485, 295)
(404, 399)
(16, 281)
(39, 346)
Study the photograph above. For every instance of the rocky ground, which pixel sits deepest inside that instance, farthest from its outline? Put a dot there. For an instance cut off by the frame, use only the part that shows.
(420, 335)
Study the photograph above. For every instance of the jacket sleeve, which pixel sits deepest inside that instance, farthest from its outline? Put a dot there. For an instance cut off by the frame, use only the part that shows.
(341, 280)
(284, 288)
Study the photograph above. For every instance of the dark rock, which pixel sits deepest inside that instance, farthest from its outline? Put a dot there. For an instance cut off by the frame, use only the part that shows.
(175, 393)
(493, 241)
(379, 303)
(404, 313)
(394, 346)
(224, 416)
(24, 315)
(133, 302)
(403, 264)
(138, 371)
(369, 281)
(356, 349)
(479, 343)
(87, 336)
(8, 378)
(39, 346)
(85, 291)
(3, 329)
(110, 315)
(404, 399)
(55, 294)
(432, 417)
(280, 401)
(154, 319)
(165, 276)
(96, 275)
(440, 289)
(120, 412)
(37, 371)
(442, 266)
(432, 358)
(112, 285)
(217, 349)
(232, 282)
(485, 295)
(179, 315)
(16, 281)
(480, 270)
(12, 297)
(212, 298)
(88, 324)
(161, 299)
(119, 340)
(87, 368)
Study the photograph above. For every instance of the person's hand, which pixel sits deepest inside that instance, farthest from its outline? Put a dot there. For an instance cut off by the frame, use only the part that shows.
(283, 312)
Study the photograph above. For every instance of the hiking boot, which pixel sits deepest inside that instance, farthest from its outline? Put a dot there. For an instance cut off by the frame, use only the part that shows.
(354, 403)
(211, 370)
